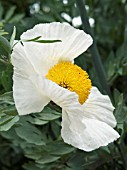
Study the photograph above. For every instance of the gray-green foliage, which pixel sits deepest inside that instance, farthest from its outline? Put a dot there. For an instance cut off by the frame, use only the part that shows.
(33, 142)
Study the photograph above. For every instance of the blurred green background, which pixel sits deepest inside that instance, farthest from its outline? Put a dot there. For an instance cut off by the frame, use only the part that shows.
(33, 142)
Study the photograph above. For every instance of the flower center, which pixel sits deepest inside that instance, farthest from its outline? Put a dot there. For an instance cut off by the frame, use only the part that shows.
(72, 77)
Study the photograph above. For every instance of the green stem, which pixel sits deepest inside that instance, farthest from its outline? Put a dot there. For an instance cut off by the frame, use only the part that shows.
(121, 154)
(93, 49)
(4, 62)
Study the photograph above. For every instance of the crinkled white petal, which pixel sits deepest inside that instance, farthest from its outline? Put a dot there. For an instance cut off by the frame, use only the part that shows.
(78, 130)
(20, 61)
(86, 134)
(99, 107)
(44, 56)
(28, 98)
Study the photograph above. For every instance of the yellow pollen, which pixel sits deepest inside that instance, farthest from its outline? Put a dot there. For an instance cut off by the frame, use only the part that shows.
(72, 77)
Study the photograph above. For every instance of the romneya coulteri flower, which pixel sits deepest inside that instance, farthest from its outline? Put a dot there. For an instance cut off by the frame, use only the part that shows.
(45, 72)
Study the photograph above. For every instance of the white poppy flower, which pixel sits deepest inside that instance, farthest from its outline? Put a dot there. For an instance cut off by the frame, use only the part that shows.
(45, 72)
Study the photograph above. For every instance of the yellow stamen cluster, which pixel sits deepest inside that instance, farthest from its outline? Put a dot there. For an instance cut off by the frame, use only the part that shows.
(72, 77)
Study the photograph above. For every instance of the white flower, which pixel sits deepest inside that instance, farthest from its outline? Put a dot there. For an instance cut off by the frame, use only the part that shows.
(44, 73)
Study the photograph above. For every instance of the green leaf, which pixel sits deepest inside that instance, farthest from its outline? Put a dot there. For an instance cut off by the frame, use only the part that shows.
(13, 37)
(6, 78)
(48, 41)
(2, 32)
(10, 110)
(30, 134)
(9, 13)
(77, 161)
(5, 44)
(11, 135)
(120, 71)
(120, 111)
(31, 166)
(116, 95)
(6, 122)
(1, 11)
(44, 117)
(37, 121)
(59, 148)
(5, 119)
(7, 98)
(48, 114)
(17, 18)
(33, 39)
(36, 39)
(110, 64)
(46, 158)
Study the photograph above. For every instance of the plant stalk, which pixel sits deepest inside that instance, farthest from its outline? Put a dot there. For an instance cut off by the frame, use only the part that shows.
(121, 154)
(97, 63)
(93, 49)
